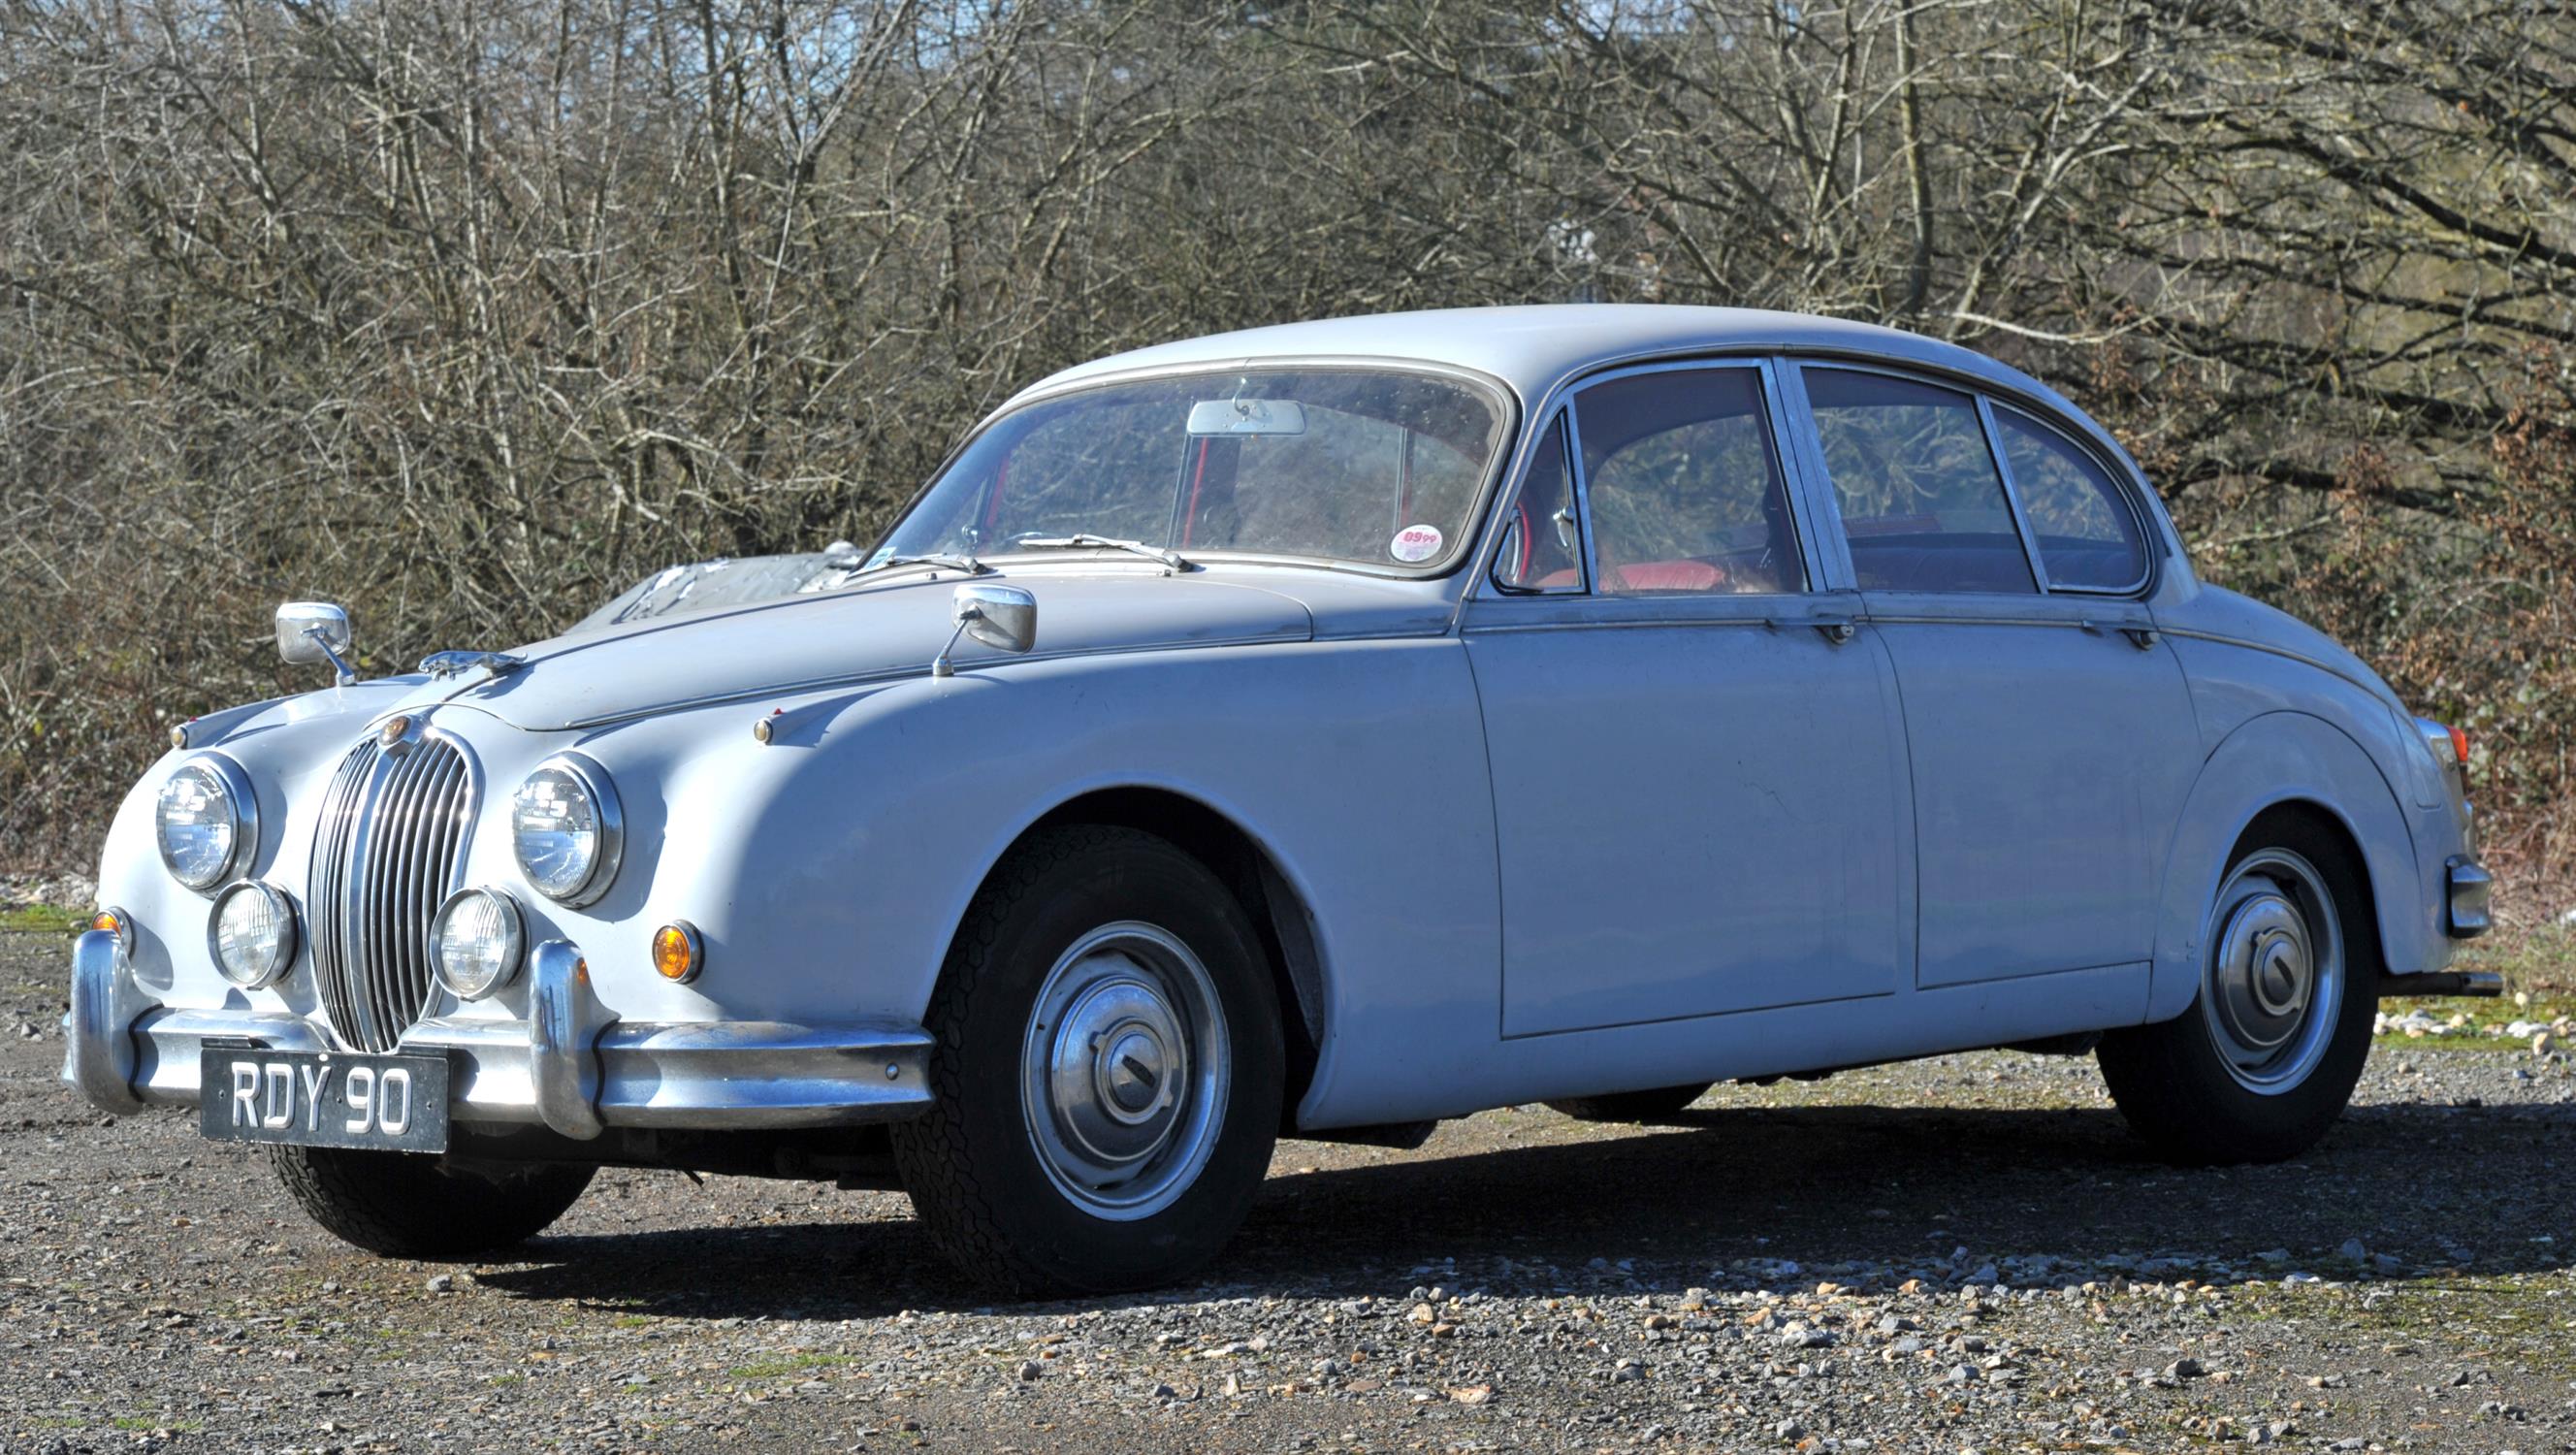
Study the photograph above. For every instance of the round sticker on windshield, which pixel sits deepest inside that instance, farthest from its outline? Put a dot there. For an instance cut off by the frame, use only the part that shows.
(1415, 543)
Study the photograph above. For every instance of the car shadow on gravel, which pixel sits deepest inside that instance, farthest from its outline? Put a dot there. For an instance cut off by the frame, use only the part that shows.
(2430, 1185)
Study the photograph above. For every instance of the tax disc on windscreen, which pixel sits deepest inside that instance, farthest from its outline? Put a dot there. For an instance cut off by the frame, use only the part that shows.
(1415, 543)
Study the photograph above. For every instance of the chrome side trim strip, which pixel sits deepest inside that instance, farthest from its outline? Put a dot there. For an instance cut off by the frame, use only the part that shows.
(2250, 645)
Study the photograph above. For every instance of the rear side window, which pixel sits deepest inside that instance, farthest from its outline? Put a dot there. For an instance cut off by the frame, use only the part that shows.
(1923, 506)
(2086, 533)
(1684, 492)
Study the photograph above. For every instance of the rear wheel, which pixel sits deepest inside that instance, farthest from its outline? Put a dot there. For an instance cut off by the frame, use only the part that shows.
(1106, 1074)
(1660, 1104)
(2268, 1054)
(407, 1205)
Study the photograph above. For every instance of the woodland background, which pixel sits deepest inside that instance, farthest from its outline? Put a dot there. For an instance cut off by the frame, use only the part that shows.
(469, 312)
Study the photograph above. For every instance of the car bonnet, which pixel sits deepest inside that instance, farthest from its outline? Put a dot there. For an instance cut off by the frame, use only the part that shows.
(865, 633)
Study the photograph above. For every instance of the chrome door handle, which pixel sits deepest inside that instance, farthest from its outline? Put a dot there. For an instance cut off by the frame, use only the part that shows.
(1836, 632)
(2140, 636)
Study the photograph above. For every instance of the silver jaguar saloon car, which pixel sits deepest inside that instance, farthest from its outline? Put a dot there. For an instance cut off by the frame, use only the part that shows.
(1316, 731)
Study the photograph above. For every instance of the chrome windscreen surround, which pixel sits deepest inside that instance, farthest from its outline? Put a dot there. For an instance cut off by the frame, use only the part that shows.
(387, 853)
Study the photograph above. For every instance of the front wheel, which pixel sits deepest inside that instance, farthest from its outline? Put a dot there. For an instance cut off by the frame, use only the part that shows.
(410, 1205)
(2267, 1056)
(1106, 1073)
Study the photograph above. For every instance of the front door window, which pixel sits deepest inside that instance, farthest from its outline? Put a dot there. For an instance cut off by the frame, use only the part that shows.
(1685, 493)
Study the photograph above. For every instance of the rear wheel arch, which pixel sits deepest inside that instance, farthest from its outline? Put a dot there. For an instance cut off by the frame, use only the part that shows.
(2323, 817)
(2282, 763)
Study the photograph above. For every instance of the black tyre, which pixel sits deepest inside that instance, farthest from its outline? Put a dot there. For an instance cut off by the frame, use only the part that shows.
(408, 1205)
(1106, 1074)
(1659, 1104)
(2266, 1057)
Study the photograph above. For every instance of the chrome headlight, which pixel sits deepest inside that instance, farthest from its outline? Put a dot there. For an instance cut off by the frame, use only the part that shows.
(253, 934)
(207, 820)
(477, 941)
(566, 830)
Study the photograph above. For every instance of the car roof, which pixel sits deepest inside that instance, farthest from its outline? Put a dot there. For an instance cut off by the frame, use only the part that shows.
(1534, 348)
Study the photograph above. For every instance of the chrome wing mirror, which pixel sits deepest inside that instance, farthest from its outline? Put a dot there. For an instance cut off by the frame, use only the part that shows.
(1004, 618)
(316, 631)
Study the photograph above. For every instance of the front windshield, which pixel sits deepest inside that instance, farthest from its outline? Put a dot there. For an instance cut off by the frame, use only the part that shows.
(1374, 467)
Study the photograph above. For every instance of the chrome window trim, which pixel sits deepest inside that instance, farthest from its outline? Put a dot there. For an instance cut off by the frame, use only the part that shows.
(2012, 498)
(245, 798)
(1581, 479)
(2128, 498)
(594, 779)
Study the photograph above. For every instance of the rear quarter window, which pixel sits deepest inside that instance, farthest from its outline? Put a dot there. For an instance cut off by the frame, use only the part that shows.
(2087, 534)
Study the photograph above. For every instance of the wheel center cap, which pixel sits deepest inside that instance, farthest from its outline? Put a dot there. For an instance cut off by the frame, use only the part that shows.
(2277, 974)
(1132, 1071)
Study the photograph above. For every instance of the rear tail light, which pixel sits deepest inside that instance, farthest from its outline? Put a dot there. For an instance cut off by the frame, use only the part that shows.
(2449, 747)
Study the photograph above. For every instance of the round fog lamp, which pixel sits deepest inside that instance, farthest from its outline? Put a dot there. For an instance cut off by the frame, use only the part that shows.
(253, 934)
(477, 940)
(678, 953)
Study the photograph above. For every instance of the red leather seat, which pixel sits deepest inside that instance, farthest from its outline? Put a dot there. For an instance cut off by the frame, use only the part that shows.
(1651, 576)
(1670, 576)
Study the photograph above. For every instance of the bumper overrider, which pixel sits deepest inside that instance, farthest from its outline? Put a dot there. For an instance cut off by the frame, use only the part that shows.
(572, 1066)
(2468, 891)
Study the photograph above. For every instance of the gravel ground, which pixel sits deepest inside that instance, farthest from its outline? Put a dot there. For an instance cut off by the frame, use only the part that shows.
(1964, 1253)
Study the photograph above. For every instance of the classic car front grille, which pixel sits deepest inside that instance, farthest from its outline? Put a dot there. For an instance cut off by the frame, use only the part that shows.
(384, 858)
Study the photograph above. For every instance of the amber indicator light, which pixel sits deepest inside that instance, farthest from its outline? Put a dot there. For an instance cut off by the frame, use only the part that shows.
(677, 952)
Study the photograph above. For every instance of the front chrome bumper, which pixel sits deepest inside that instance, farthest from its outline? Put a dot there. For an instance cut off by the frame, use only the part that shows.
(572, 1066)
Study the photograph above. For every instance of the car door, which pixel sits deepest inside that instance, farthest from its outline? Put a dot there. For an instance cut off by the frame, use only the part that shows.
(2049, 730)
(1699, 784)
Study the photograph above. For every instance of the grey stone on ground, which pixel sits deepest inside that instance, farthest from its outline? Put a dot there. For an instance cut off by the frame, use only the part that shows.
(1961, 1253)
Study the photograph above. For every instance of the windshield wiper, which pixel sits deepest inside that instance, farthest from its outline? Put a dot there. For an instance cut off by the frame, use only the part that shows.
(1084, 540)
(948, 559)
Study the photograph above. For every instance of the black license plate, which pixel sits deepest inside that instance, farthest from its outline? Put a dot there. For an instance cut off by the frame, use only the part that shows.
(324, 1099)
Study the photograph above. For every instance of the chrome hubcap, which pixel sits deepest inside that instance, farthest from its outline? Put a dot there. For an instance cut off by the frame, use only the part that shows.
(2276, 970)
(1124, 1070)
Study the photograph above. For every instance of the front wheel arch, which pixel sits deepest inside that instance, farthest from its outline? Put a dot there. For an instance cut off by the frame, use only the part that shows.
(1261, 888)
(1026, 1077)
